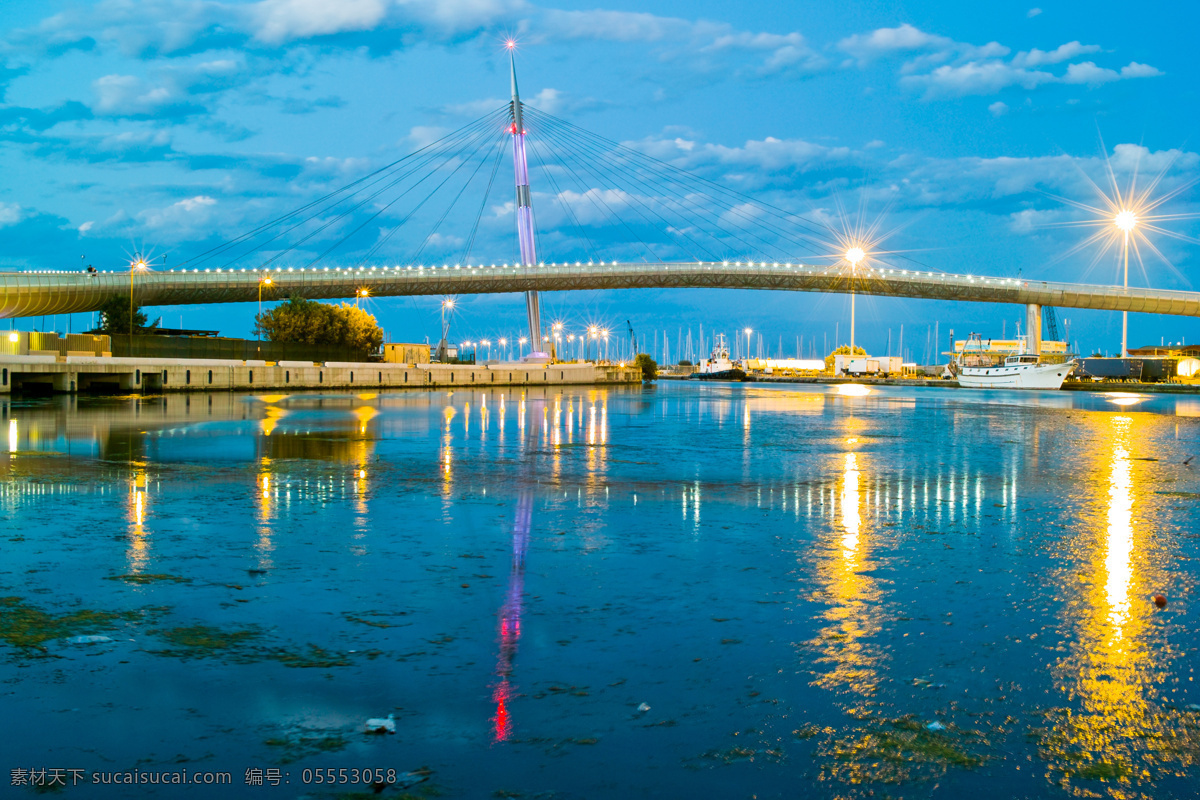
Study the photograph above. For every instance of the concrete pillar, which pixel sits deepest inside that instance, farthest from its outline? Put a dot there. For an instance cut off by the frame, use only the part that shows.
(1033, 328)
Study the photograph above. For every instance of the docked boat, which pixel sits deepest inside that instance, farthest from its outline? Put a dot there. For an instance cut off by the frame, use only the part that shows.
(1022, 371)
(718, 367)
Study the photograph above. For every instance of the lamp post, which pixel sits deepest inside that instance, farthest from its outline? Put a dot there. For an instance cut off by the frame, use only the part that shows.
(604, 333)
(138, 264)
(748, 332)
(263, 281)
(521, 345)
(1126, 221)
(853, 255)
(503, 345)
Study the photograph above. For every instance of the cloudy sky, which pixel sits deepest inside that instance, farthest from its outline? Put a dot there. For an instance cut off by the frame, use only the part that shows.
(166, 126)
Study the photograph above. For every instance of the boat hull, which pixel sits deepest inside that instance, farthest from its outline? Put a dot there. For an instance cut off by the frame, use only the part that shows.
(724, 375)
(1020, 376)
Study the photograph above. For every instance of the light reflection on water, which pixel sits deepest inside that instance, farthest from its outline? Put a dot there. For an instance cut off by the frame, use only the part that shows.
(1044, 523)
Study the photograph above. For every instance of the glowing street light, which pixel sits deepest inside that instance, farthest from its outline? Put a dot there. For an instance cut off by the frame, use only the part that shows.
(504, 343)
(364, 292)
(138, 265)
(748, 332)
(1125, 220)
(853, 255)
(265, 280)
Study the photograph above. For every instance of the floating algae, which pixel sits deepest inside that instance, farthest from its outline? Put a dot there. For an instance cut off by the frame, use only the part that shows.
(294, 748)
(143, 579)
(28, 627)
(900, 750)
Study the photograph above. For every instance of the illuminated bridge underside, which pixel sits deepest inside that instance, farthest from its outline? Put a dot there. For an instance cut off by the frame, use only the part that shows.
(31, 294)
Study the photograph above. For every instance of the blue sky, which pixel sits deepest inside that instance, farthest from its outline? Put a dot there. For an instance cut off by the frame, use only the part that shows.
(169, 125)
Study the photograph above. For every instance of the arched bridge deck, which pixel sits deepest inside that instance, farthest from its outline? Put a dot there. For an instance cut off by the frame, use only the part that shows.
(36, 293)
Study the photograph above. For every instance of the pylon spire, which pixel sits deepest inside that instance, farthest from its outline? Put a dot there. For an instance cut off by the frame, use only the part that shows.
(524, 211)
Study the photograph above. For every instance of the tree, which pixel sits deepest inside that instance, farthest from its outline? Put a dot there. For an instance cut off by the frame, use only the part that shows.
(649, 366)
(841, 351)
(114, 317)
(309, 322)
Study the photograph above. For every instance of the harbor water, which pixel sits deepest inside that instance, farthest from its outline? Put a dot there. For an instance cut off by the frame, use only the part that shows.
(660, 591)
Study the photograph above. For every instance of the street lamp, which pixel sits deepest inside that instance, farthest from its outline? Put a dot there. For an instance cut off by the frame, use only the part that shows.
(853, 255)
(504, 344)
(748, 332)
(265, 280)
(521, 342)
(360, 293)
(1125, 220)
(138, 264)
(604, 333)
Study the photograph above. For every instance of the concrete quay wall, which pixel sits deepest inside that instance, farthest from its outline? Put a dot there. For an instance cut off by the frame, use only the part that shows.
(42, 373)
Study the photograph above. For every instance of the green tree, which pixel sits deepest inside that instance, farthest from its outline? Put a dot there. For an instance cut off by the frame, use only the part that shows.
(114, 317)
(841, 351)
(309, 322)
(649, 366)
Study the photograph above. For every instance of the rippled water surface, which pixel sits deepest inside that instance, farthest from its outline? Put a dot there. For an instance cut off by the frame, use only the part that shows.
(670, 591)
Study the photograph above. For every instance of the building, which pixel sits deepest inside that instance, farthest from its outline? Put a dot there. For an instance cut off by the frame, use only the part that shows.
(400, 353)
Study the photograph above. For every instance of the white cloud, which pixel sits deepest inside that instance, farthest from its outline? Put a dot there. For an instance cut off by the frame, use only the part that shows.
(278, 21)
(883, 41)
(1092, 75)
(10, 214)
(1135, 70)
(998, 109)
(1033, 12)
(118, 95)
(944, 67)
(977, 77)
(185, 214)
(85, 227)
(1064, 52)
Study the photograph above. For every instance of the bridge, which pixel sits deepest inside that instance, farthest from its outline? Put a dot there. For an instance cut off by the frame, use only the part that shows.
(35, 293)
(697, 216)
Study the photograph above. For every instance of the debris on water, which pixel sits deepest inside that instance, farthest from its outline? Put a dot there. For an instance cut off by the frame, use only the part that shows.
(94, 639)
(921, 683)
(379, 725)
(1160, 601)
(257, 571)
(935, 726)
(644, 707)
(1192, 707)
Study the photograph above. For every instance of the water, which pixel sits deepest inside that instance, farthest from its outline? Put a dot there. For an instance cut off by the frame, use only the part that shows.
(671, 591)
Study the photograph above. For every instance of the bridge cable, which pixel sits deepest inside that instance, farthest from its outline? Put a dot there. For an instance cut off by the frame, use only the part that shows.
(205, 255)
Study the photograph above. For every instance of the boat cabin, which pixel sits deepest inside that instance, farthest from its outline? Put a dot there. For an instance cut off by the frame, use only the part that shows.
(1013, 361)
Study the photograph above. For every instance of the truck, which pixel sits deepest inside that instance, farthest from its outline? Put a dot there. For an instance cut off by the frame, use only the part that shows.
(883, 366)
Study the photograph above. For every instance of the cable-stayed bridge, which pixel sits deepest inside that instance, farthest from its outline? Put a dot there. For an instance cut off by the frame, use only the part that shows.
(30, 294)
(680, 225)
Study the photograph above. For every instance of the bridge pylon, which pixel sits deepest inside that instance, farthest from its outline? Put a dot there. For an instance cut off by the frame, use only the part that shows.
(525, 238)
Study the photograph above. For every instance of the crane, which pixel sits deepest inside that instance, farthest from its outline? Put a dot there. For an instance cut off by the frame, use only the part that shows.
(633, 347)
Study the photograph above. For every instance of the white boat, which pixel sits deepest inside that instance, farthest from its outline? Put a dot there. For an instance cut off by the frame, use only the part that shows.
(718, 367)
(1024, 371)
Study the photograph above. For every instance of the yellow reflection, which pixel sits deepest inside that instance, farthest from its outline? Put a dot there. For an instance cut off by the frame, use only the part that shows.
(138, 551)
(1118, 667)
(365, 414)
(1124, 398)
(265, 491)
(852, 618)
(853, 390)
(13, 438)
(271, 420)
(851, 521)
(1120, 539)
